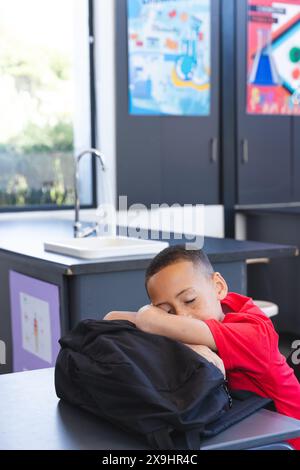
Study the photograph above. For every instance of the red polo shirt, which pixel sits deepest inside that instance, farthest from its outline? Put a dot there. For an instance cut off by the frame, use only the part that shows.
(248, 345)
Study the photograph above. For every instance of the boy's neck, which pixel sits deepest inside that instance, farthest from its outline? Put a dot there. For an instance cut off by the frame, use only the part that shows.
(225, 309)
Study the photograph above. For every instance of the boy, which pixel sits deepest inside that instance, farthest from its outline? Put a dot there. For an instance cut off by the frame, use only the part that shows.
(190, 303)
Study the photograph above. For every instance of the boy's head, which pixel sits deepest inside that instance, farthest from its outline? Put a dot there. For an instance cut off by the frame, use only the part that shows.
(183, 282)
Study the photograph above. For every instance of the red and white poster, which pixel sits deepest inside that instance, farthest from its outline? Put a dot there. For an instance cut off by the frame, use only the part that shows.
(273, 57)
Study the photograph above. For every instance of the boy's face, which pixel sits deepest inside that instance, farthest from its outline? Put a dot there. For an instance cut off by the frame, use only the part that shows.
(183, 289)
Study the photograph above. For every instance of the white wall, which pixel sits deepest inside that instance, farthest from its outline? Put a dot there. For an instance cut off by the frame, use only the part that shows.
(214, 221)
(240, 227)
(200, 220)
(105, 89)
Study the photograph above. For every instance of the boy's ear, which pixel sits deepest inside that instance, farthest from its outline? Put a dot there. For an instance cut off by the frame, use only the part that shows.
(220, 285)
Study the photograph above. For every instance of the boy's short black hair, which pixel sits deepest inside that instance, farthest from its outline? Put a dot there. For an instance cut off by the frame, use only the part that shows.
(175, 253)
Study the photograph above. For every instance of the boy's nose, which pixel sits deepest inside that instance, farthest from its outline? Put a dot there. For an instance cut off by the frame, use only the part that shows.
(182, 313)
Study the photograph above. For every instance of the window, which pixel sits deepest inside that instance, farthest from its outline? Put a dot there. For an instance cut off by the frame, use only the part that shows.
(45, 102)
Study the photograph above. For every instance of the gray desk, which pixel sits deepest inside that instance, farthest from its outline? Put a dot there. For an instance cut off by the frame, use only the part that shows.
(31, 417)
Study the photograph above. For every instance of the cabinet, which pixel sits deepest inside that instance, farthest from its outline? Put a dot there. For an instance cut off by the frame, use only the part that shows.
(279, 280)
(163, 159)
(296, 158)
(264, 143)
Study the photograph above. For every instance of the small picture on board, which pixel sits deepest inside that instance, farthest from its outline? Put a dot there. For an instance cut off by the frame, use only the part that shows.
(35, 319)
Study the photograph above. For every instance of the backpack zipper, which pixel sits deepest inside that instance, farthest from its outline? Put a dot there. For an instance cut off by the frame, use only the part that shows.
(225, 386)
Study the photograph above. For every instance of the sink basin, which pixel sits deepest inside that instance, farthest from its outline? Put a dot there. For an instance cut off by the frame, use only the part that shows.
(105, 247)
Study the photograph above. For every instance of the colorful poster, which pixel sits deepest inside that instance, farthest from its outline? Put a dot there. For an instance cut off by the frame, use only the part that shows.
(273, 57)
(35, 322)
(169, 55)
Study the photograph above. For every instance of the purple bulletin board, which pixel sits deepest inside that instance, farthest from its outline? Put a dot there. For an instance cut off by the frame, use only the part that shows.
(35, 322)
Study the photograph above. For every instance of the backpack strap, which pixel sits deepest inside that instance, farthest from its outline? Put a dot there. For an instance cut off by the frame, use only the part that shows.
(193, 440)
(243, 406)
(161, 439)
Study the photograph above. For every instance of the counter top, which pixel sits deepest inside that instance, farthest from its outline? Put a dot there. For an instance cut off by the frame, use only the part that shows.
(25, 238)
(32, 418)
(288, 210)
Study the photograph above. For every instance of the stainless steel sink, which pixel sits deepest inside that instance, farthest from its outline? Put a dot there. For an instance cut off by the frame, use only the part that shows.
(104, 247)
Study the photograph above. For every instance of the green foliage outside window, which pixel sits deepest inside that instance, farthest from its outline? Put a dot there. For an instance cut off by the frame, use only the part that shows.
(36, 129)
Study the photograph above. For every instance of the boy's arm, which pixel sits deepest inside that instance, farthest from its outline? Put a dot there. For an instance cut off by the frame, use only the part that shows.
(154, 320)
(129, 316)
(203, 350)
(185, 329)
(209, 355)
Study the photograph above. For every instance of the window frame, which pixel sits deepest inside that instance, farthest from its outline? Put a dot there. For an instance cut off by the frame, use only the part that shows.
(93, 121)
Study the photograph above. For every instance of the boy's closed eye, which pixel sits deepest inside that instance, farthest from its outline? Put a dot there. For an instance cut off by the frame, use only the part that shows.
(167, 308)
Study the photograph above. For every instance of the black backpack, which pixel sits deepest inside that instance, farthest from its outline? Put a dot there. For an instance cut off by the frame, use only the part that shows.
(146, 384)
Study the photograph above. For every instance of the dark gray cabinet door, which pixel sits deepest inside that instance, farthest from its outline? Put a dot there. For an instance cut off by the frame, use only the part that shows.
(296, 158)
(162, 159)
(264, 147)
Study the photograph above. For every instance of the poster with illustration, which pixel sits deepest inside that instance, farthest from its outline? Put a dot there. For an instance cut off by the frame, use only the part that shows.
(169, 57)
(273, 57)
(35, 322)
(35, 326)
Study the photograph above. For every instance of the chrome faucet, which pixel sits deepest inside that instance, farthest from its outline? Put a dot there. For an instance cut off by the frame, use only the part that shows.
(79, 232)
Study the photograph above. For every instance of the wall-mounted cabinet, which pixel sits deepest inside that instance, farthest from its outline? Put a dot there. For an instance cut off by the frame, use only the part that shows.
(268, 146)
(296, 158)
(182, 158)
(167, 158)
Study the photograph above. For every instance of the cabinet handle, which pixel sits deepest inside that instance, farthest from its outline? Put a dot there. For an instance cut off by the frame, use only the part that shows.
(214, 150)
(245, 151)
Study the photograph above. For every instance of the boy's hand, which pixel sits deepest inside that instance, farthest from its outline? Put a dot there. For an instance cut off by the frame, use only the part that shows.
(209, 355)
(129, 316)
